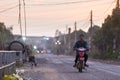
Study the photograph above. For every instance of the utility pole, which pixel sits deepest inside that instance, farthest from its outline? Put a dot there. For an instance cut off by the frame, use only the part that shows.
(91, 19)
(64, 39)
(19, 21)
(91, 24)
(65, 36)
(117, 4)
(69, 31)
(25, 16)
(75, 31)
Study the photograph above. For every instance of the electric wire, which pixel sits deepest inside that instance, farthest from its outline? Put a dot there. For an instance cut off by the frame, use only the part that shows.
(9, 8)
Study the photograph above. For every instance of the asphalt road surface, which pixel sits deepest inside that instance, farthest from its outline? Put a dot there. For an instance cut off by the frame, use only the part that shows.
(53, 67)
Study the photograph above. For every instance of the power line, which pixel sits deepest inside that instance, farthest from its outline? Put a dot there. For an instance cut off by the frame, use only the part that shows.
(24, 5)
(19, 17)
(8, 4)
(107, 9)
(62, 3)
(9, 8)
(63, 22)
(85, 24)
(87, 18)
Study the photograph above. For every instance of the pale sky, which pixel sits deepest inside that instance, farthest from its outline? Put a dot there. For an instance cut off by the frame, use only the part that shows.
(43, 20)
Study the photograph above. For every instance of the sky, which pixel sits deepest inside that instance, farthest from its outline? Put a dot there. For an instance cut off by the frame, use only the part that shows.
(44, 20)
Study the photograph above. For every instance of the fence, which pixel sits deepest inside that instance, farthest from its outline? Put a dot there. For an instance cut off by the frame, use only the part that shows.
(8, 61)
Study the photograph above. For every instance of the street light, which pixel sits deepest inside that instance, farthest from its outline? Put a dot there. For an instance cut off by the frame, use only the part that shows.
(45, 38)
(35, 47)
(24, 38)
(58, 43)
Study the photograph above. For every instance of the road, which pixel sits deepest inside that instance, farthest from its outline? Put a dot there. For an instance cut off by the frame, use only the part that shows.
(53, 67)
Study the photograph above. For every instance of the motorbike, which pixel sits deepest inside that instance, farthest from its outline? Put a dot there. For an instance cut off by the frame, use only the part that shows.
(80, 63)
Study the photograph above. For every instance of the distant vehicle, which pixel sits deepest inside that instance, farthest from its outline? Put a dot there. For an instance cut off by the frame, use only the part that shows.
(44, 51)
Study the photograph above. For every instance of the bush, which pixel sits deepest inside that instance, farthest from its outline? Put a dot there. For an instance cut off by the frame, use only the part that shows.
(94, 55)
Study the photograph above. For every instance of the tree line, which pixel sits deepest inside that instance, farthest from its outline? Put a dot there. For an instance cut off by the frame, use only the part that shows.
(5, 35)
(107, 39)
(104, 42)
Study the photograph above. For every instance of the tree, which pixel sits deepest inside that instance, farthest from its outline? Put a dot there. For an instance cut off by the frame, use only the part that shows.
(107, 39)
(5, 35)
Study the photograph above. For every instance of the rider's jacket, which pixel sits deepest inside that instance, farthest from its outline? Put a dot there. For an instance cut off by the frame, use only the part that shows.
(79, 44)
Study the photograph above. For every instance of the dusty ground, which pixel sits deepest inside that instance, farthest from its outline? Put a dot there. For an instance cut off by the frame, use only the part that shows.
(52, 67)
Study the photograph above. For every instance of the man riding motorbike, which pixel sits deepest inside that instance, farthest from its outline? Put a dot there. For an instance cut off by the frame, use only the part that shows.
(81, 43)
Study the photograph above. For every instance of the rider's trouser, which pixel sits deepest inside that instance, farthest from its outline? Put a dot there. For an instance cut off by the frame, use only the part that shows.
(85, 56)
